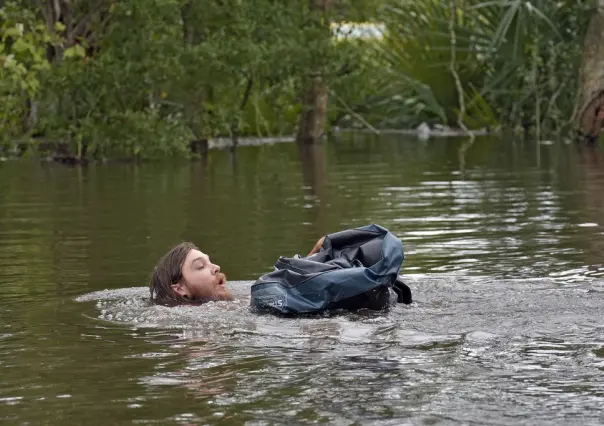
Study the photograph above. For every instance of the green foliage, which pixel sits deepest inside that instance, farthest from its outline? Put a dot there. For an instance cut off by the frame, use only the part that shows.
(22, 62)
(362, 87)
(208, 71)
(140, 79)
(417, 47)
(518, 61)
(534, 68)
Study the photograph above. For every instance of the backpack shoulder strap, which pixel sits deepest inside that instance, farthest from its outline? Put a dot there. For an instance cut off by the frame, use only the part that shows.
(403, 292)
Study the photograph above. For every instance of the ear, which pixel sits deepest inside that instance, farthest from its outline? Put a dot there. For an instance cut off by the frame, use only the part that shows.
(180, 289)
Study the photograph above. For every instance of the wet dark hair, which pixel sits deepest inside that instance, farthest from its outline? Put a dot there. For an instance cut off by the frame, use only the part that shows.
(167, 272)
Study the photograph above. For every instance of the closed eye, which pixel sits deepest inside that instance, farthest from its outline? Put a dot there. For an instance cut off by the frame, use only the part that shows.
(200, 262)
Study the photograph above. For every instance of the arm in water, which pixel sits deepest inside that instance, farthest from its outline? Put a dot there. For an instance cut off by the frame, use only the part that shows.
(317, 246)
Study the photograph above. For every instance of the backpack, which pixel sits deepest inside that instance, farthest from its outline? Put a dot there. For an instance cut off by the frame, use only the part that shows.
(354, 269)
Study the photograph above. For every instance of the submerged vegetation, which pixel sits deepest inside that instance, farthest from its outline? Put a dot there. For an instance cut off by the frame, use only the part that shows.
(133, 78)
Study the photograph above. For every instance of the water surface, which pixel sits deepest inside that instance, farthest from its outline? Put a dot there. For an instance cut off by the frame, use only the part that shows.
(503, 243)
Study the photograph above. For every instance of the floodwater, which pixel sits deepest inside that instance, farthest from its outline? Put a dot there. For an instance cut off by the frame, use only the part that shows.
(503, 242)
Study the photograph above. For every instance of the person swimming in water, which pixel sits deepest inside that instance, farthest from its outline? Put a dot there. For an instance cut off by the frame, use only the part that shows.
(187, 275)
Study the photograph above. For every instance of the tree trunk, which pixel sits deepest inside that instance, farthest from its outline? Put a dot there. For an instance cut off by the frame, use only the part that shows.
(31, 119)
(311, 125)
(242, 105)
(194, 103)
(590, 106)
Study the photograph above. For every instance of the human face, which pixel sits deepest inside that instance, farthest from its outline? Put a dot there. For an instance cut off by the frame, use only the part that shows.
(201, 279)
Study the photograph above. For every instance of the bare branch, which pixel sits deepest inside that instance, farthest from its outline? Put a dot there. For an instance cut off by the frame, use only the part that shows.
(93, 36)
(355, 114)
(68, 22)
(453, 68)
(47, 15)
(80, 28)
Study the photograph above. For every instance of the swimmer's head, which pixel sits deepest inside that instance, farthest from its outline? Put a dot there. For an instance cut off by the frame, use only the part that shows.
(184, 275)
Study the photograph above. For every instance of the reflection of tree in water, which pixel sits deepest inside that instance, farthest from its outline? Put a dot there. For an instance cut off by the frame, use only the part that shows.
(463, 148)
(314, 176)
(591, 162)
(592, 170)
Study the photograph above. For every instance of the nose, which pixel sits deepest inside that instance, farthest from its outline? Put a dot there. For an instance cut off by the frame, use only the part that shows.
(216, 269)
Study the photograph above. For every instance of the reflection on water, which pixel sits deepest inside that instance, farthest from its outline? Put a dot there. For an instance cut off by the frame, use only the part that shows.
(503, 253)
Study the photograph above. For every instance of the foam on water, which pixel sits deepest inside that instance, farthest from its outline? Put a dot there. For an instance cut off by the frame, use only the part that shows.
(447, 308)
(498, 344)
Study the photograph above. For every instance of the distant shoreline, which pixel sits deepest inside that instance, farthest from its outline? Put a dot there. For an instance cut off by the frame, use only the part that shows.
(50, 150)
(226, 142)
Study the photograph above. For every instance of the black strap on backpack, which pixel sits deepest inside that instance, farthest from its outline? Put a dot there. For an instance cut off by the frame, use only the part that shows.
(403, 292)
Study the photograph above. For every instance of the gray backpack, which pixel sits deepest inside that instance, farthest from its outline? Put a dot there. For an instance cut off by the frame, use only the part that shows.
(355, 269)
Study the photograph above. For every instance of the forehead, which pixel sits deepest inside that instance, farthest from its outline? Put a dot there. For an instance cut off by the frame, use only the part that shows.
(194, 254)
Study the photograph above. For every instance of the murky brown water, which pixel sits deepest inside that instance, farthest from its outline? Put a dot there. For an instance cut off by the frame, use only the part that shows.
(503, 251)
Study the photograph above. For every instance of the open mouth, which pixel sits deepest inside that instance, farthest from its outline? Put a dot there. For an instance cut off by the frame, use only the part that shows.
(222, 281)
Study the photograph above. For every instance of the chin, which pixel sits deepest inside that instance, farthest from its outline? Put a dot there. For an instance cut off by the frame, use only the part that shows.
(225, 295)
